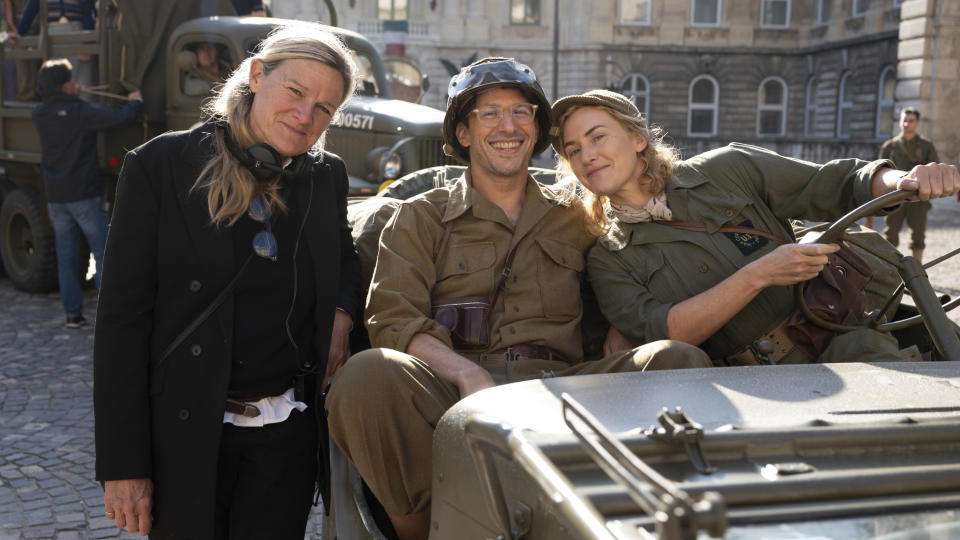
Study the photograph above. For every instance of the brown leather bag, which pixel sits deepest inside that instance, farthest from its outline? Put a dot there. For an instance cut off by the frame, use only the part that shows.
(835, 295)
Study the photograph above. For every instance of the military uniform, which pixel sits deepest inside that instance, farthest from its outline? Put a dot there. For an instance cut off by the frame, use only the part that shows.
(384, 403)
(641, 270)
(905, 156)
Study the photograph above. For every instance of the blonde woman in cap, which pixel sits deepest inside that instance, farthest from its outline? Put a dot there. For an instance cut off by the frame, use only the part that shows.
(721, 290)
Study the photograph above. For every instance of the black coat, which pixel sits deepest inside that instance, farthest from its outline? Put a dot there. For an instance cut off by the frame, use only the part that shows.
(68, 128)
(164, 263)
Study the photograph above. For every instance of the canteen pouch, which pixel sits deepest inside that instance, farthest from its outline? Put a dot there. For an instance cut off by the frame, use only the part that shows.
(467, 318)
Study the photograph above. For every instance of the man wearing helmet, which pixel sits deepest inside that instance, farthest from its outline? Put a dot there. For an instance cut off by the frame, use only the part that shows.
(476, 284)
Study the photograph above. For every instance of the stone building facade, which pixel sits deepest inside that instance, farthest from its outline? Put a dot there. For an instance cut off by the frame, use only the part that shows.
(815, 79)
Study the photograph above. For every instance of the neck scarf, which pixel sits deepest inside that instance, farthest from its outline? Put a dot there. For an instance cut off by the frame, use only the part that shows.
(655, 209)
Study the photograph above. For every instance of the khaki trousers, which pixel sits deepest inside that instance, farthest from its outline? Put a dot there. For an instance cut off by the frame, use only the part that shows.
(384, 405)
(915, 212)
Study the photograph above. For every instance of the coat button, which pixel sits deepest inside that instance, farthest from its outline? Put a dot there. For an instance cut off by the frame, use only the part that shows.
(195, 286)
(183, 414)
(516, 308)
(463, 266)
(196, 350)
(728, 212)
(513, 330)
(703, 268)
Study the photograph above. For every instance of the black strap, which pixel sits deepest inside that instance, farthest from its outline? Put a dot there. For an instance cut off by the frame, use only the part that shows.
(205, 313)
(503, 275)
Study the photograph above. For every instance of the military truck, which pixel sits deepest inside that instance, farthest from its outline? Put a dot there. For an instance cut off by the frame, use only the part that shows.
(379, 138)
(843, 451)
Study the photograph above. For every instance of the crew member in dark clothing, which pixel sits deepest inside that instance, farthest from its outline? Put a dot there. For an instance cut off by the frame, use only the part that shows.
(71, 175)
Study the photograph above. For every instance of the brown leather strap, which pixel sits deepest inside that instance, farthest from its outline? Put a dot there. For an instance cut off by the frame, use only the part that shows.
(700, 227)
(503, 275)
(778, 340)
(241, 408)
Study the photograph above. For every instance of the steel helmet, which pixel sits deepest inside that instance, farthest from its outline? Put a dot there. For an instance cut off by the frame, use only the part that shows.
(485, 73)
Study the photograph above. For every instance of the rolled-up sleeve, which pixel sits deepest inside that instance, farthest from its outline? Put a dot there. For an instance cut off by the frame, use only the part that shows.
(398, 304)
(795, 188)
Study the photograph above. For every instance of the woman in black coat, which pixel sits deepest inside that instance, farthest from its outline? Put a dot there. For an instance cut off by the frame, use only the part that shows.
(229, 288)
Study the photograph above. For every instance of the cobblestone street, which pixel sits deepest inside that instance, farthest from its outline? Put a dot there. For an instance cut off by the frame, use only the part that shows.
(46, 417)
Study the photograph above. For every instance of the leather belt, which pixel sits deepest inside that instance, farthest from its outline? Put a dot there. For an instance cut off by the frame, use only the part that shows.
(242, 408)
(526, 350)
(769, 348)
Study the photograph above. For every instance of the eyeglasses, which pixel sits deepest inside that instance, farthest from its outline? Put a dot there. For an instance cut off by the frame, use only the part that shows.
(264, 242)
(491, 115)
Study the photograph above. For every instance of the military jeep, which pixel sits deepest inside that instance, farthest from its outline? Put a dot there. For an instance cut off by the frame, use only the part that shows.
(845, 451)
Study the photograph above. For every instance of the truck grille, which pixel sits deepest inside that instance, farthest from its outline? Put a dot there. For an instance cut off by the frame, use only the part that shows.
(430, 151)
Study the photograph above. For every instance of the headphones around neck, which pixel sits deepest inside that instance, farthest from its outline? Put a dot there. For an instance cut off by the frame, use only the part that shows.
(263, 162)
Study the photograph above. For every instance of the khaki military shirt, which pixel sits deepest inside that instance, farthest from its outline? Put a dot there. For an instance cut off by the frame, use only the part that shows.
(639, 271)
(907, 154)
(540, 303)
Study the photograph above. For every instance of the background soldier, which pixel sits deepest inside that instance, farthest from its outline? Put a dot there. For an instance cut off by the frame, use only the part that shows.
(908, 150)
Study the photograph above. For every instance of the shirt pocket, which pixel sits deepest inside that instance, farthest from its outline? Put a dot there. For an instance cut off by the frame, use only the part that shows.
(559, 266)
(467, 270)
(717, 208)
(648, 267)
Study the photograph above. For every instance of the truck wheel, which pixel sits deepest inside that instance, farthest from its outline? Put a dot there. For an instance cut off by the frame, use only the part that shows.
(26, 242)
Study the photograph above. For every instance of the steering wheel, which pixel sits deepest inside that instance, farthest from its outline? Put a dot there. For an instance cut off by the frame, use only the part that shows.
(932, 313)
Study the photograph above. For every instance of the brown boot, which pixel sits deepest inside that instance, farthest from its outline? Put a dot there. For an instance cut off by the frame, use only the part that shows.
(918, 255)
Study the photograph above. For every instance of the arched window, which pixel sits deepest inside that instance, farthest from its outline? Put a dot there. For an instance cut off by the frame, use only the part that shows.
(772, 106)
(810, 119)
(844, 106)
(885, 102)
(702, 110)
(636, 87)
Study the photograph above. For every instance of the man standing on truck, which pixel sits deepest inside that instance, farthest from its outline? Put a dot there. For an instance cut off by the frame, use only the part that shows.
(71, 174)
(907, 150)
(476, 284)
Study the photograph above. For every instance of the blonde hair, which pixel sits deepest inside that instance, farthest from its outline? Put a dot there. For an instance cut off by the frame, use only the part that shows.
(658, 159)
(230, 185)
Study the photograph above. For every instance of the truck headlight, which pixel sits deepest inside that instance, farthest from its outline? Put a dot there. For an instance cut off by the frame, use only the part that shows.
(381, 159)
(392, 165)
